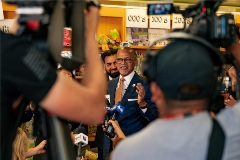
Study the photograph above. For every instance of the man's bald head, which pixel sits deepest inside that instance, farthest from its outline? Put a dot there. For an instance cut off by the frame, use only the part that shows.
(126, 60)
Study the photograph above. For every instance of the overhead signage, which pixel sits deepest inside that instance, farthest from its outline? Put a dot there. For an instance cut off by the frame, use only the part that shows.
(160, 21)
(178, 21)
(137, 18)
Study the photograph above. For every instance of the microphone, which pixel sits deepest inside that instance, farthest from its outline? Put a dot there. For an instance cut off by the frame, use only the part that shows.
(108, 112)
(117, 110)
(79, 129)
(81, 139)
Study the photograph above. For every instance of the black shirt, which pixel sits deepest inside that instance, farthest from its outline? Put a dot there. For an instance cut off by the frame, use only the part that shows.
(24, 71)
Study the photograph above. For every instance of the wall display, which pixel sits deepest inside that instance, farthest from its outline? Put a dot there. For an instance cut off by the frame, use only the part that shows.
(139, 36)
(178, 21)
(154, 34)
(5, 25)
(128, 35)
(137, 18)
(160, 21)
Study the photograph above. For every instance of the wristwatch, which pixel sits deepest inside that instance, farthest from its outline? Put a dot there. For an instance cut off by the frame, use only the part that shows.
(93, 3)
(144, 106)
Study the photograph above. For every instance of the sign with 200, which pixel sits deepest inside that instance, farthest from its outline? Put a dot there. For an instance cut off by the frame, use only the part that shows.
(178, 21)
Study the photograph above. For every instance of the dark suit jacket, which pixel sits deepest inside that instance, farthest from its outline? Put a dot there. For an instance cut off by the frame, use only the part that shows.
(133, 119)
(100, 134)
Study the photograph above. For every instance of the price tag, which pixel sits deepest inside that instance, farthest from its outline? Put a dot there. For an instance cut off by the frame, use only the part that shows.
(178, 21)
(137, 18)
(160, 21)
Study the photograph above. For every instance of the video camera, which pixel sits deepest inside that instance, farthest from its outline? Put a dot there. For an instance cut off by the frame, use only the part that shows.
(42, 23)
(218, 30)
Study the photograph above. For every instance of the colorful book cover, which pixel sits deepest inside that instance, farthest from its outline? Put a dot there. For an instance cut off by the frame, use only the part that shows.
(140, 36)
(155, 34)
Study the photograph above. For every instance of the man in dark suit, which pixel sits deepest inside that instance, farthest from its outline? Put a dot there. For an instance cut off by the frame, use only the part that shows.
(109, 62)
(130, 88)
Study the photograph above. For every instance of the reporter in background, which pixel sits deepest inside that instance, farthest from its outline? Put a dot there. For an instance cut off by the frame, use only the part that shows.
(25, 71)
(184, 127)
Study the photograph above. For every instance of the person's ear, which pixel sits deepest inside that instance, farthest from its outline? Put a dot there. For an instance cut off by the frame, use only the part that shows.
(157, 93)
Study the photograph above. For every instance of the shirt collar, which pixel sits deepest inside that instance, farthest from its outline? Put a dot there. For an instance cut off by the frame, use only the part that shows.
(110, 78)
(128, 78)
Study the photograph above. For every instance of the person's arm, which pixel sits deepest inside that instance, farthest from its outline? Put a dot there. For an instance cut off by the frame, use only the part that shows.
(36, 150)
(235, 50)
(81, 102)
(230, 102)
(144, 100)
(117, 130)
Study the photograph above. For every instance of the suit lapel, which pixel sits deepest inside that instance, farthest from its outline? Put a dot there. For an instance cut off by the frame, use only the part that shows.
(131, 88)
(113, 90)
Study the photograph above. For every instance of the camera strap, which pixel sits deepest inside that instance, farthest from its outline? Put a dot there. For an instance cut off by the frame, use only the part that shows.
(55, 38)
(55, 34)
(216, 142)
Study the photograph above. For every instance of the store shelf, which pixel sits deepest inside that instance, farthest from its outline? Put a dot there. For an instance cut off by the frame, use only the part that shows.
(146, 47)
(137, 47)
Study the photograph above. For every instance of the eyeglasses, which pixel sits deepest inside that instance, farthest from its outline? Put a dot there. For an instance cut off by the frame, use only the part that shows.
(126, 60)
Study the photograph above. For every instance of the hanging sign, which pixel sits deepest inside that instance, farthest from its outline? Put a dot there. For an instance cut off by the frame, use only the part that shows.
(178, 21)
(160, 21)
(137, 18)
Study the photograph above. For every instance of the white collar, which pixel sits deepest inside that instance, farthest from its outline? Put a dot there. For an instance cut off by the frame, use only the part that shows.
(110, 78)
(128, 78)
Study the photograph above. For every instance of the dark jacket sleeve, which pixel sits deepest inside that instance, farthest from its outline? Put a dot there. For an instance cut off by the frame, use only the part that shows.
(152, 112)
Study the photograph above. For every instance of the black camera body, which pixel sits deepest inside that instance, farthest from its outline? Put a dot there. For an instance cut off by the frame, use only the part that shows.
(218, 30)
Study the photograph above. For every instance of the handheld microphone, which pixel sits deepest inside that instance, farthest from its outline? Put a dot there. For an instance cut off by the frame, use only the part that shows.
(117, 110)
(79, 129)
(108, 112)
(81, 139)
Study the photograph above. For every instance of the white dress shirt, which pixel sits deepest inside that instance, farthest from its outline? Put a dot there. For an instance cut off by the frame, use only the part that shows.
(127, 81)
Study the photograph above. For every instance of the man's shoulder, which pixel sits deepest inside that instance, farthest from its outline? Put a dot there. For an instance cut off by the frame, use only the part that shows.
(113, 80)
(134, 143)
(141, 79)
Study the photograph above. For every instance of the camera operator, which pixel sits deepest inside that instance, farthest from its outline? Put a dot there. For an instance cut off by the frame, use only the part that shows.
(184, 126)
(24, 71)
